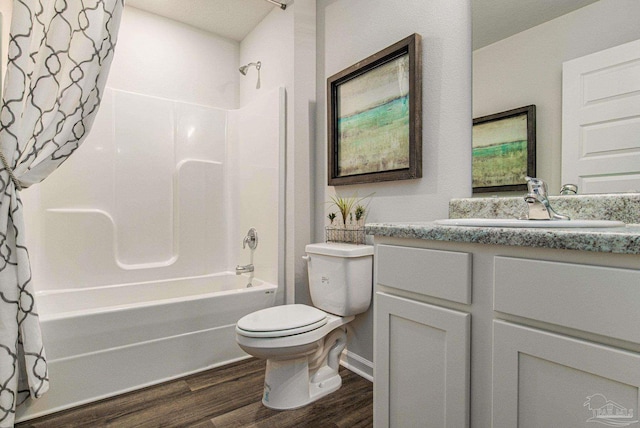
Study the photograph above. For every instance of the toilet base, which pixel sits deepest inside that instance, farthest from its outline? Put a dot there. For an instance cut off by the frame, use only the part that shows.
(288, 383)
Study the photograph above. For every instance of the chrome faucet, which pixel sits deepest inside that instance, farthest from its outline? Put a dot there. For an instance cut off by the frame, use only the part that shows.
(538, 201)
(244, 269)
(251, 240)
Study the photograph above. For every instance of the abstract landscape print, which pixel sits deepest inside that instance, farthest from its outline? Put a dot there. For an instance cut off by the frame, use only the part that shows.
(504, 150)
(373, 120)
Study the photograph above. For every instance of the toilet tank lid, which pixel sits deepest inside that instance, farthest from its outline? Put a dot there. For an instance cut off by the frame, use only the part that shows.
(339, 249)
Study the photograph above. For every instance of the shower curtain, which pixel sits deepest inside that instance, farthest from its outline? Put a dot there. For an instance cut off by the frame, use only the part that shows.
(59, 56)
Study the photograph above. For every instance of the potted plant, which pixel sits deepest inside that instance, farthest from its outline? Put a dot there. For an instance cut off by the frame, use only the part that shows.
(360, 213)
(353, 213)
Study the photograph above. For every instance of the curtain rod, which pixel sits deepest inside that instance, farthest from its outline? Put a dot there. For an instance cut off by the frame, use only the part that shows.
(277, 3)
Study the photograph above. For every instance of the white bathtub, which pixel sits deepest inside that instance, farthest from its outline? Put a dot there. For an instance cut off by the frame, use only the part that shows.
(105, 341)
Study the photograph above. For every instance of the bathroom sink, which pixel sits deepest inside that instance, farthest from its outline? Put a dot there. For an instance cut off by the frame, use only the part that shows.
(500, 222)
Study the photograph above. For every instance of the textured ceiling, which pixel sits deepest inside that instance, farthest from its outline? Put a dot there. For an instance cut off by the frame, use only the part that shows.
(493, 20)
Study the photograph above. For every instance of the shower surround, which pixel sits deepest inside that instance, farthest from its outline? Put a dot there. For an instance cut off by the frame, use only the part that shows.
(161, 189)
(161, 192)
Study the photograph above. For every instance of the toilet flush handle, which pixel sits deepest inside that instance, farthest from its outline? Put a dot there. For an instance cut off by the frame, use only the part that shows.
(307, 258)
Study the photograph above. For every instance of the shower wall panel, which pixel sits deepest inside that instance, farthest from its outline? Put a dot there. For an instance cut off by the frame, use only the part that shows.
(143, 178)
(162, 189)
(255, 155)
(140, 200)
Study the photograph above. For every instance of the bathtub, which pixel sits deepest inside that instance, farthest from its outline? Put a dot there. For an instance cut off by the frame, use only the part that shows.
(108, 340)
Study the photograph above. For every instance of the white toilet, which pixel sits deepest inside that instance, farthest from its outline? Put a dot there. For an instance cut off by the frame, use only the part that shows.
(302, 344)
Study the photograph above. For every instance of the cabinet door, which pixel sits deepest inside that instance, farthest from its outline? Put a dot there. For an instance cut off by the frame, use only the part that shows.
(542, 379)
(421, 372)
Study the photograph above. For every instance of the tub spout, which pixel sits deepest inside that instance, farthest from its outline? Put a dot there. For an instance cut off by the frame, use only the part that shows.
(244, 269)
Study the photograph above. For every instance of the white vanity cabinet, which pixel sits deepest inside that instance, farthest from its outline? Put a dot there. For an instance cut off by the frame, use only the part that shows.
(422, 350)
(521, 337)
(422, 364)
(542, 379)
(545, 378)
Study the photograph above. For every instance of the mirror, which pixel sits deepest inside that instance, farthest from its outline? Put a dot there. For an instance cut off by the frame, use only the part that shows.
(518, 50)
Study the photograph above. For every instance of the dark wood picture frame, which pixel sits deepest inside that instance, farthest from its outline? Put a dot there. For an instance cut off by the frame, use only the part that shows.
(356, 138)
(498, 148)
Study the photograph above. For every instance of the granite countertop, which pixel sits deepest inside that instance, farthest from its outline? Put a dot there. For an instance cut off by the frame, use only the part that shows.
(623, 240)
(621, 207)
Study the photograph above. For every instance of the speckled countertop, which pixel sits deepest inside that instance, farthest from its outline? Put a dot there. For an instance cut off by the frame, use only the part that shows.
(622, 240)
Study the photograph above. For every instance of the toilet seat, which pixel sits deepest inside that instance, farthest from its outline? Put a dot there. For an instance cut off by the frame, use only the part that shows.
(281, 321)
(260, 345)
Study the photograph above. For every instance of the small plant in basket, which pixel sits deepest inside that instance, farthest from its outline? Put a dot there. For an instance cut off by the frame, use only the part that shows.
(350, 208)
(360, 214)
(346, 204)
(331, 216)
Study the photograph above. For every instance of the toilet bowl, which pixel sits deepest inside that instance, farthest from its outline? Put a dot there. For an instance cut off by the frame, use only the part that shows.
(302, 344)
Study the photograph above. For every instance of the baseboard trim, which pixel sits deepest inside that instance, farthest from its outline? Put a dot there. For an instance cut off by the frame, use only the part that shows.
(357, 364)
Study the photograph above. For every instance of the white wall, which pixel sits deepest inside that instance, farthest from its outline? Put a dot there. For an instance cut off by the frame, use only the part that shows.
(351, 30)
(527, 69)
(285, 43)
(271, 42)
(160, 57)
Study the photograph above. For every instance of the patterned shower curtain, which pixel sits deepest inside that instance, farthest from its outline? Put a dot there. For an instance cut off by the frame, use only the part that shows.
(59, 56)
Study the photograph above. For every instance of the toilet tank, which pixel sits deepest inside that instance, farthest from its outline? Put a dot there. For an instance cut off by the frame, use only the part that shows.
(340, 277)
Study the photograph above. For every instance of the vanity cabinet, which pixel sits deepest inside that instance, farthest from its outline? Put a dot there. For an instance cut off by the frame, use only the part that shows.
(422, 350)
(521, 337)
(542, 379)
(422, 364)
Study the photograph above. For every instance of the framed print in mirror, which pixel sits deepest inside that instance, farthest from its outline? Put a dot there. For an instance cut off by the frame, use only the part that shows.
(504, 150)
(375, 117)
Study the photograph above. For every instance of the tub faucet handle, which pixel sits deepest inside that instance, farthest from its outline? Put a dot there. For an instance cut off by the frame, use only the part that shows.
(251, 239)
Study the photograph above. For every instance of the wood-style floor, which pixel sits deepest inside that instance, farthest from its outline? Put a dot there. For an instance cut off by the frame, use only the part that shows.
(228, 396)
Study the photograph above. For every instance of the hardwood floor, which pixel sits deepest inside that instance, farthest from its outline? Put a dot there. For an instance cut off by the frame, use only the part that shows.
(228, 396)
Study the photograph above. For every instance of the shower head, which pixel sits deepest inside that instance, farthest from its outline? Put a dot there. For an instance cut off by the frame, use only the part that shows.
(245, 68)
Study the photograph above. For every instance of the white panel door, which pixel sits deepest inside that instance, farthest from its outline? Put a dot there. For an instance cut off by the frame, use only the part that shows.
(421, 364)
(601, 120)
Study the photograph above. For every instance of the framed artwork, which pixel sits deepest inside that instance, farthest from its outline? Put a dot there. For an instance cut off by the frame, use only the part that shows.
(375, 117)
(504, 150)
